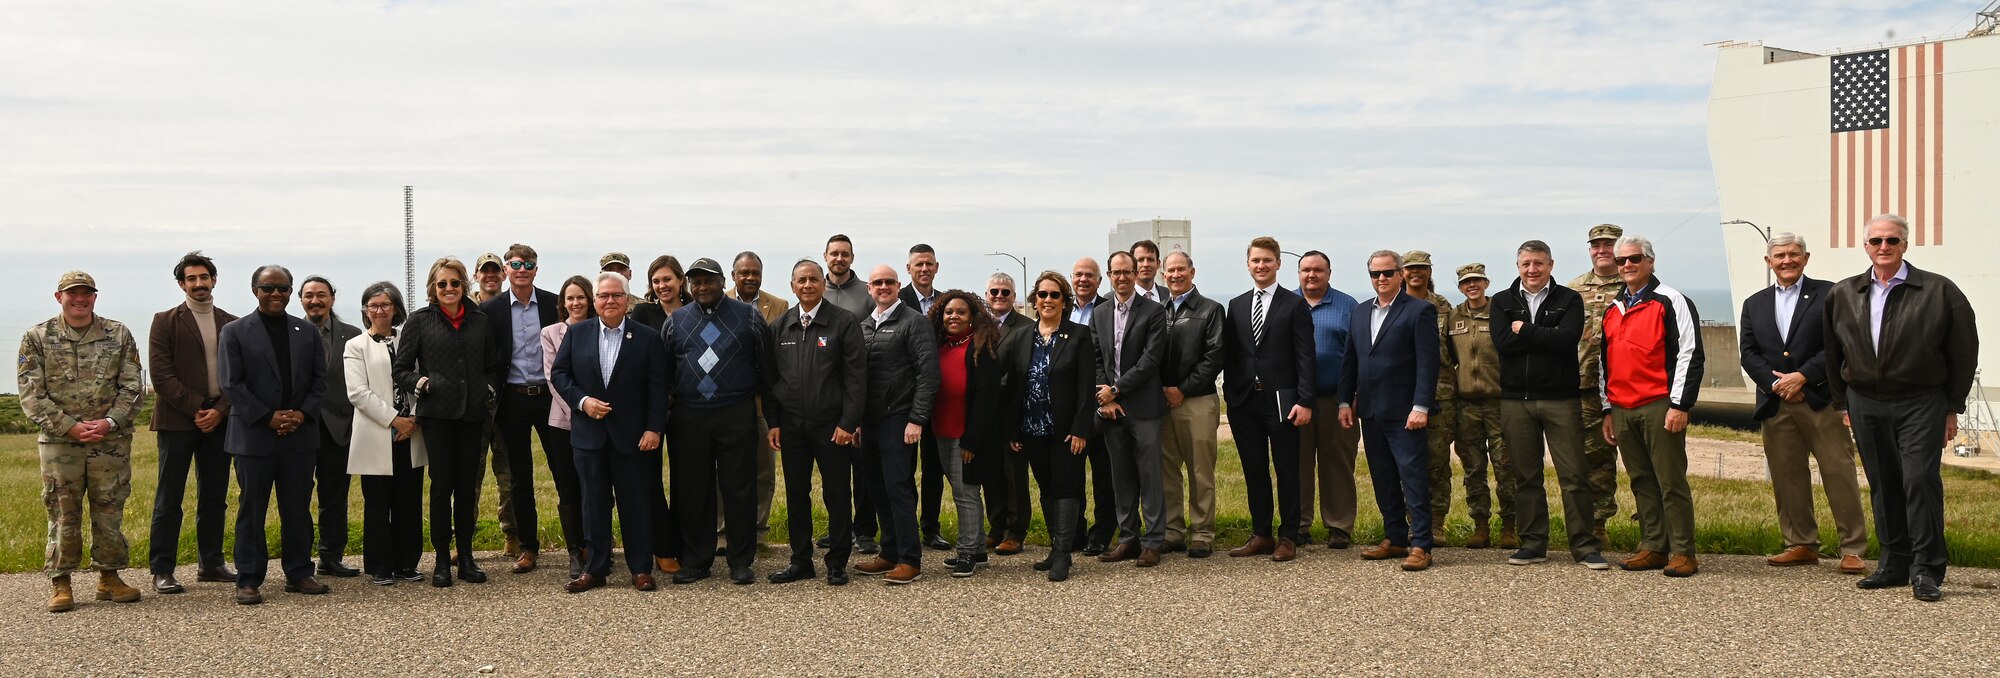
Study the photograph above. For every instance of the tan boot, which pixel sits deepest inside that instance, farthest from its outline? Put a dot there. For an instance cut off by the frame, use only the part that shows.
(512, 549)
(1437, 529)
(110, 587)
(1509, 539)
(1482, 535)
(62, 600)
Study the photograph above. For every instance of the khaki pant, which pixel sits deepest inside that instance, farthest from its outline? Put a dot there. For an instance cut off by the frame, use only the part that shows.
(1330, 448)
(1480, 447)
(1189, 481)
(102, 473)
(1602, 456)
(1657, 463)
(1791, 436)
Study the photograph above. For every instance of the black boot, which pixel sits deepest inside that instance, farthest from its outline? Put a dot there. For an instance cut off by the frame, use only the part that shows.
(1066, 510)
(469, 571)
(441, 575)
(1050, 514)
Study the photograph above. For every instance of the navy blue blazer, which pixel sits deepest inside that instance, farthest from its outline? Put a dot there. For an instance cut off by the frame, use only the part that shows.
(637, 394)
(1803, 350)
(249, 372)
(1396, 370)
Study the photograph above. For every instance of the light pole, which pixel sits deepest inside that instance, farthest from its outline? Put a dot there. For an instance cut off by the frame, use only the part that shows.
(1023, 261)
(1766, 234)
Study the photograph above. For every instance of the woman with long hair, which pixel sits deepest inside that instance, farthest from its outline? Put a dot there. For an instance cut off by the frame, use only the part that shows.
(666, 291)
(966, 419)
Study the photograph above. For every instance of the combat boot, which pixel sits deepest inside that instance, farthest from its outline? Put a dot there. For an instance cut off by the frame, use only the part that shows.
(110, 587)
(62, 600)
(1509, 539)
(1482, 535)
(1437, 528)
(1597, 530)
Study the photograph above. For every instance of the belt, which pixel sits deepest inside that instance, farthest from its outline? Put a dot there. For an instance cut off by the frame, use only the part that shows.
(1257, 385)
(528, 389)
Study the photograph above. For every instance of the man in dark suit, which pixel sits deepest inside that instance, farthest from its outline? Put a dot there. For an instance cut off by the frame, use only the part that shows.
(1267, 380)
(1131, 345)
(336, 418)
(615, 377)
(519, 314)
(1096, 535)
(189, 417)
(1389, 386)
(1147, 254)
(1783, 349)
(274, 373)
(919, 295)
(1008, 510)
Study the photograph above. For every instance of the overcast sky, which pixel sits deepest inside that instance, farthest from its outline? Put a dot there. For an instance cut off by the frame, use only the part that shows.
(284, 132)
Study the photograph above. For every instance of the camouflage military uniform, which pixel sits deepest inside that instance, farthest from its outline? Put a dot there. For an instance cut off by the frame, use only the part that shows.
(1479, 442)
(503, 477)
(1443, 425)
(68, 376)
(1598, 292)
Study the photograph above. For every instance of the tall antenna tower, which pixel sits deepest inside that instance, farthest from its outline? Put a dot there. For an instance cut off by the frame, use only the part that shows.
(1989, 19)
(409, 247)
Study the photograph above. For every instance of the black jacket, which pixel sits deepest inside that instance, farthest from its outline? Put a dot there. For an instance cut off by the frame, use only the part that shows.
(984, 437)
(1539, 362)
(1072, 381)
(1194, 345)
(1138, 377)
(1802, 350)
(1929, 341)
(1286, 360)
(902, 366)
(821, 378)
(465, 366)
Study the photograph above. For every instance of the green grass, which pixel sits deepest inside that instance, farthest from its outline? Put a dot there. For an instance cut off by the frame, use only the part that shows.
(1731, 516)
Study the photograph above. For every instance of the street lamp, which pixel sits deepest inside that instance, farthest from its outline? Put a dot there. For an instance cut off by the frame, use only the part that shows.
(1023, 261)
(1766, 234)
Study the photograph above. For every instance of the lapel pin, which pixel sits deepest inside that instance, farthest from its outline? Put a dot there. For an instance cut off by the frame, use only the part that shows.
(628, 335)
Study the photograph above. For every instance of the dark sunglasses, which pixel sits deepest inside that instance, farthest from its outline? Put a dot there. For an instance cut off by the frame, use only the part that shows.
(1046, 294)
(1632, 259)
(450, 284)
(885, 282)
(1891, 241)
(275, 289)
(1001, 292)
(521, 265)
(1381, 273)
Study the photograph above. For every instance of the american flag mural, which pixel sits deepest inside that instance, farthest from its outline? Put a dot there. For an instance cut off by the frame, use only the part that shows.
(1887, 141)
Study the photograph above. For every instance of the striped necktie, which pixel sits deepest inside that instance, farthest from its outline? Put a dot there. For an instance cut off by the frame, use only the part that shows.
(1257, 320)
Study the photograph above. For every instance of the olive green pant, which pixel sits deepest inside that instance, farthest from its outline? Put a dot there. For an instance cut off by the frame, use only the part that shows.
(1657, 464)
(71, 473)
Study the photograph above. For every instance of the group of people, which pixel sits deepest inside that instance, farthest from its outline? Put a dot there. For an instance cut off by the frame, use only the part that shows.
(671, 404)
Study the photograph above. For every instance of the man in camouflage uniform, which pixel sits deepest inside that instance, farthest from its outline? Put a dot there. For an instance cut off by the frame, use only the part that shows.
(1480, 446)
(80, 382)
(1444, 418)
(1598, 287)
(489, 275)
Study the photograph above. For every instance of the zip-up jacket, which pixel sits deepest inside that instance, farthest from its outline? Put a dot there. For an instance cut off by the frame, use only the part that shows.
(1929, 341)
(902, 366)
(1539, 362)
(1194, 345)
(1651, 349)
(822, 371)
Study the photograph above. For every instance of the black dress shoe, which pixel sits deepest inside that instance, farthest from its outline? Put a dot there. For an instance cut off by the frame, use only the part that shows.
(408, 575)
(1339, 540)
(248, 595)
(836, 576)
(1200, 552)
(937, 543)
(825, 541)
(310, 586)
(1044, 564)
(792, 573)
(165, 583)
(1173, 547)
(1926, 589)
(441, 577)
(1882, 579)
(219, 573)
(867, 546)
(742, 576)
(1095, 549)
(337, 568)
(469, 571)
(690, 575)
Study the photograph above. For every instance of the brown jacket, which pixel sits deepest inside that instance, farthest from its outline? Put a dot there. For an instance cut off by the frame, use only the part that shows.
(1471, 338)
(1929, 341)
(180, 367)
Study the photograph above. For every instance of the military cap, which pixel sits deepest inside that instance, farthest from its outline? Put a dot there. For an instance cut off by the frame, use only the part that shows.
(1472, 272)
(1605, 232)
(485, 260)
(75, 279)
(1416, 258)
(618, 258)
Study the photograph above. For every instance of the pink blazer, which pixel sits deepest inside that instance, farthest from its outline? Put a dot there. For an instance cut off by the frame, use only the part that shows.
(552, 339)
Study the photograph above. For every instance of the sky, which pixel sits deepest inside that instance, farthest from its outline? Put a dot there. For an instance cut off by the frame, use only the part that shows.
(285, 132)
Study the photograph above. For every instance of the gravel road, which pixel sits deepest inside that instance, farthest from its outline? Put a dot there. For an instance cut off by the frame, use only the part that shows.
(1326, 613)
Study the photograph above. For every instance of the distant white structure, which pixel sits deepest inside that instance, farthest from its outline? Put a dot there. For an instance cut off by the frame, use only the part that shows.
(1170, 234)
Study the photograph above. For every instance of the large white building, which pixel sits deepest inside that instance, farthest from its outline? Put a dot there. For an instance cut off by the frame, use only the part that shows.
(1169, 234)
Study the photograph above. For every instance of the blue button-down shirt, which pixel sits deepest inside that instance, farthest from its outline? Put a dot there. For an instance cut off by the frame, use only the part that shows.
(1787, 301)
(526, 362)
(609, 340)
(1330, 323)
(1081, 314)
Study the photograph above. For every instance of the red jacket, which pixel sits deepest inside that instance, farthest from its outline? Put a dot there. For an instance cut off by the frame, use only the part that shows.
(1651, 349)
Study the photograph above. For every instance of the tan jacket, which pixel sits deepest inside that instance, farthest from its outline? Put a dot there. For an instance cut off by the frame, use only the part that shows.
(1471, 336)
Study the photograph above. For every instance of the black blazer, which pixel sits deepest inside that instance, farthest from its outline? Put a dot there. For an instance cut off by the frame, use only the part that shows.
(1803, 351)
(1072, 381)
(909, 297)
(249, 373)
(1399, 367)
(499, 310)
(1138, 381)
(465, 365)
(637, 394)
(984, 437)
(1285, 361)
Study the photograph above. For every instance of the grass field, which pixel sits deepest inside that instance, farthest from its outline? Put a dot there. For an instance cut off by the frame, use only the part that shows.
(1731, 516)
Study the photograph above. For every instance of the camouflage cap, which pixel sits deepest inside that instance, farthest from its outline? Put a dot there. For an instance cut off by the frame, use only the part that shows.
(1472, 272)
(1416, 258)
(75, 279)
(704, 265)
(484, 260)
(618, 258)
(1605, 232)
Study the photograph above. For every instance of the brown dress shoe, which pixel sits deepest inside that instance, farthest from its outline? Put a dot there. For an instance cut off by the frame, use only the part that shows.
(992, 540)
(642, 582)
(1644, 560)
(1682, 566)
(1851, 564)
(665, 565)
(1149, 557)
(586, 582)
(1007, 547)
(875, 566)
(1384, 551)
(1257, 546)
(1285, 551)
(1418, 560)
(526, 563)
(1793, 557)
(902, 574)
(1122, 552)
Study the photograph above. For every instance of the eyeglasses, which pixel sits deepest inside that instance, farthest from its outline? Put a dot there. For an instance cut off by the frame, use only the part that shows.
(450, 284)
(1047, 294)
(885, 282)
(1381, 272)
(275, 289)
(1122, 272)
(1001, 292)
(1891, 241)
(1632, 259)
(521, 265)
(380, 308)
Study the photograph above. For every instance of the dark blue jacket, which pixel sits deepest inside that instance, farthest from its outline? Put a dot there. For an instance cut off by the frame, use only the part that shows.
(249, 373)
(1391, 373)
(637, 393)
(740, 342)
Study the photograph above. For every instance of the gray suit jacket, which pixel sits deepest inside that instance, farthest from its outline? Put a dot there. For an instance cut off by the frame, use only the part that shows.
(336, 414)
(1138, 374)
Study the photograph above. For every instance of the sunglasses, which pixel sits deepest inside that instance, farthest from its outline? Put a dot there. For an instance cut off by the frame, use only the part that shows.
(885, 282)
(521, 265)
(450, 284)
(1001, 292)
(1046, 294)
(1891, 241)
(1632, 259)
(1381, 273)
(275, 289)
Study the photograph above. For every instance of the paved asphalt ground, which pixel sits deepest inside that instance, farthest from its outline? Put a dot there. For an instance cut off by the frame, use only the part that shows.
(1327, 613)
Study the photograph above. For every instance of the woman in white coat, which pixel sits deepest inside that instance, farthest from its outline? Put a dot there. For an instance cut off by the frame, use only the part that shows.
(384, 448)
(575, 295)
